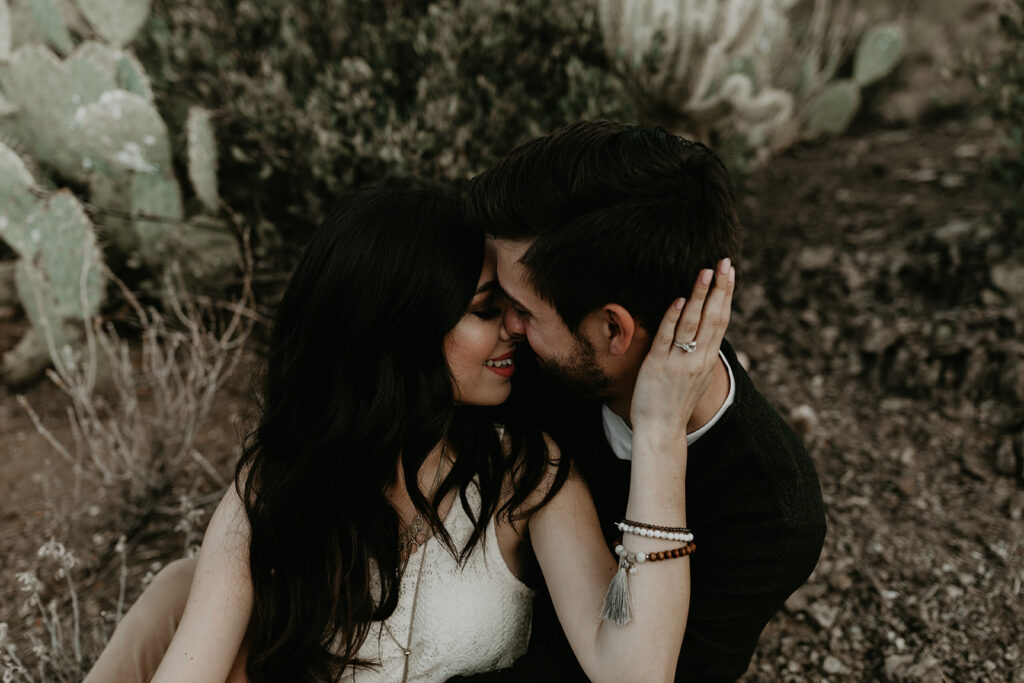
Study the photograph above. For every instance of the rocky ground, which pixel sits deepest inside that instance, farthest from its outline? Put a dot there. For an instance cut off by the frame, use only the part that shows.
(881, 308)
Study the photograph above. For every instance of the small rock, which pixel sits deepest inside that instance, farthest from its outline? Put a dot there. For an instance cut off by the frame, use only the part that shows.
(804, 420)
(953, 231)
(834, 666)
(967, 151)
(974, 466)
(824, 614)
(797, 602)
(928, 670)
(951, 181)
(815, 258)
(1009, 277)
(879, 339)
(1004, 459)
(991, 298)
(896, 666)
(907, 485)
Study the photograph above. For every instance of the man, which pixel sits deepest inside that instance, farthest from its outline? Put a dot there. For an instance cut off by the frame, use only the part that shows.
(598, 227)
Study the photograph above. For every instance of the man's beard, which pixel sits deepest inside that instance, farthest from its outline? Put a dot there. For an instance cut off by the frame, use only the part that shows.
(581, 375)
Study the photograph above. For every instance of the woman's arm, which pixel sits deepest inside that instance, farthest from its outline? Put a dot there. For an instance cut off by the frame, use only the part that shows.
(219, 604)
(566, 535)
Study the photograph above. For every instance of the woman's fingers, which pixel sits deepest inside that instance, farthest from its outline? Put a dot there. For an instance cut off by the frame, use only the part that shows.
(718, 308)
(668, 324)
(689, 321)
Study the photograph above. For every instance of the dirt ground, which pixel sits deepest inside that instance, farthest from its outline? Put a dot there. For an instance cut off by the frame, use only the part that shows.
(881, 309)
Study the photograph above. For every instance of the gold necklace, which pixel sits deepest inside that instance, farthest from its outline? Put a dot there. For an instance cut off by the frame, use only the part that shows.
(418, 537)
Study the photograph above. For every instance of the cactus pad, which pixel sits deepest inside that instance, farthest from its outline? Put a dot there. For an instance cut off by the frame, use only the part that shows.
(878, 52)
(157, 210)
(833, 109)
(116, 21)
(206, 249)
(131, 76)
(17, 201)
(202, 157)
(36, 82)
(51, 24)
(122, 132)
(5, 30)
(50, 281)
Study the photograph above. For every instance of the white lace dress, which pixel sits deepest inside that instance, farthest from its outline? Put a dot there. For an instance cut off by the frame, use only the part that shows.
(468, 619)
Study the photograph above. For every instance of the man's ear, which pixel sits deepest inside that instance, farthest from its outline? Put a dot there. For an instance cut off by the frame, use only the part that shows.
(617, 328)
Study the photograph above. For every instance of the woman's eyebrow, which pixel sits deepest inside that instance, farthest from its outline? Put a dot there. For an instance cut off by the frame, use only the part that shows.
(489, 286)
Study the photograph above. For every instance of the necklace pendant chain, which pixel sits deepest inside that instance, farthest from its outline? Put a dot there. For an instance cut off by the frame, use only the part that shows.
(410, 543)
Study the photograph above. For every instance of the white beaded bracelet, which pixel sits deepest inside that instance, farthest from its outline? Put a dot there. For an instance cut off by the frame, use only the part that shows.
(654, 533)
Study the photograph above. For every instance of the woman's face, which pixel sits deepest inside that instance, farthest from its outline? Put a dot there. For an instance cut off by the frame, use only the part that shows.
(478, 349)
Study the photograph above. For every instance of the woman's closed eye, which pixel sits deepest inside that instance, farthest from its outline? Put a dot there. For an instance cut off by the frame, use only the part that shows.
(489, 313)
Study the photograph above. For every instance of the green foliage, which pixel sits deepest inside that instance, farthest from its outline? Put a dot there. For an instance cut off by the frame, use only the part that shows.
(316, 97)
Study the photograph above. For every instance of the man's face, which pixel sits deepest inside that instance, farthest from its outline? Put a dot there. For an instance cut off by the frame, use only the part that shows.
(567, 357)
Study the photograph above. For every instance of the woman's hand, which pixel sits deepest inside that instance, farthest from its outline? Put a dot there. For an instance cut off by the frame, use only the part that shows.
(672, 379)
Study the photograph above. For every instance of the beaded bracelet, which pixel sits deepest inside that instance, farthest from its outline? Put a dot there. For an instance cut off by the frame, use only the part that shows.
(618, 605)
(681, 534)
(645, 525)
(639, 558)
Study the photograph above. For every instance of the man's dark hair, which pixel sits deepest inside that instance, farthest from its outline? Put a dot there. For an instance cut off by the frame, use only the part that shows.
(618, 214)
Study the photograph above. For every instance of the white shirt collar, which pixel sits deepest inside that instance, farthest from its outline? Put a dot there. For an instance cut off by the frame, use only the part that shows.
(620, 436)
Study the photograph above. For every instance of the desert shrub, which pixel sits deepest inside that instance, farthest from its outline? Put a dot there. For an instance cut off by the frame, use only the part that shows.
(312, 98)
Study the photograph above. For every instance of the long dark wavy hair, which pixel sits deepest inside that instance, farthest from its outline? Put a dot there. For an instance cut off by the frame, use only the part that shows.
(356, 381)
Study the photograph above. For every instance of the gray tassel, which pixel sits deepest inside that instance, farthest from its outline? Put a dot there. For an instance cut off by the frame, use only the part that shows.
(618, 606)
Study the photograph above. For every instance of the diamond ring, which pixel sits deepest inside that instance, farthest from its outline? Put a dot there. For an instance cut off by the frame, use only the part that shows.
(689, 346)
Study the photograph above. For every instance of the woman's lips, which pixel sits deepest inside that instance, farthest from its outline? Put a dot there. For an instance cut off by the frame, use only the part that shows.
(505, 371)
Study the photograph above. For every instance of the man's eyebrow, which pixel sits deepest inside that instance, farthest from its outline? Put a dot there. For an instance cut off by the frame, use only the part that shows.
(516, 302)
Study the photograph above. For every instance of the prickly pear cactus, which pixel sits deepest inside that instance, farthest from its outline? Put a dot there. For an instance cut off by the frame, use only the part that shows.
(57, 275)
(48, 18)
(202, 158)
(5, 30)
(833, 109)
(60, 280)
(157, 211)
(878, 53)
(17, 200)
(116, 21)
(121, 132)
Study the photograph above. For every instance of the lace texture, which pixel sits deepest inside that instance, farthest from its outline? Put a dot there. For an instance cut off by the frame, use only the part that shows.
(469, 619)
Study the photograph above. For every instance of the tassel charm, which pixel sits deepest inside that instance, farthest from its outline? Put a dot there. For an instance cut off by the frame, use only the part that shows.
(618, 607)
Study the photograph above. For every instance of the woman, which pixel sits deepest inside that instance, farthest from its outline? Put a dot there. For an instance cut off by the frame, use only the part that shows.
(381, 526)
